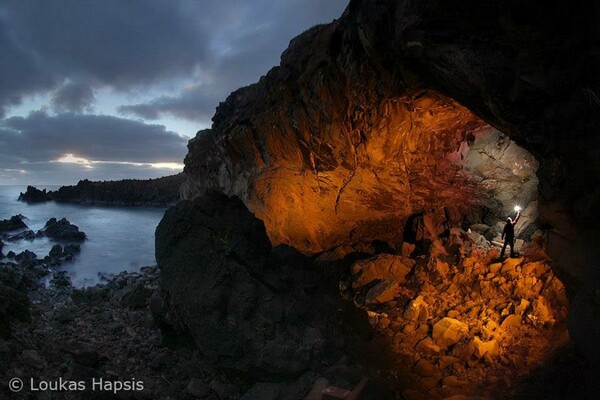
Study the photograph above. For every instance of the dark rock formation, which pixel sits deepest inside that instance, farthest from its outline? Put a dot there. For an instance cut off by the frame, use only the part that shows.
(246, 310)
(367, 119)
(35, 195)
(14, 223)
(158, 192)
(14, 306)
(62, 230)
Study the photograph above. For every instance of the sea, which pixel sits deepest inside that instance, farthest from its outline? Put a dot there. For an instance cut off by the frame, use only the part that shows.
(118, 238)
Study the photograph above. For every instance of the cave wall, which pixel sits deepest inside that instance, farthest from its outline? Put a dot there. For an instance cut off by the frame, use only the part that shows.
(325, 160)
(353, 131)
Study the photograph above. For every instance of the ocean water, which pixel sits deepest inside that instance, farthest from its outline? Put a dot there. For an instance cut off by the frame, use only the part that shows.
(118, 238)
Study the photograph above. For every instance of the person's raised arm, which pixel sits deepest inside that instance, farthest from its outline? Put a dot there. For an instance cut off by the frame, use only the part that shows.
(517, 218)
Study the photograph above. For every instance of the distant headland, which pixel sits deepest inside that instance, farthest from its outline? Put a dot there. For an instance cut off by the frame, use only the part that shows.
(159, 192)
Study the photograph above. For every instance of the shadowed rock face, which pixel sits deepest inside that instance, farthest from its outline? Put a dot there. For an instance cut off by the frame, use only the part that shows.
(360, 125)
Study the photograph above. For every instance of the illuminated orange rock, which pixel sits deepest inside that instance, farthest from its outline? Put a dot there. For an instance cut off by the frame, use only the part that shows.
(326, 155)
(381, 267)
(449, 331)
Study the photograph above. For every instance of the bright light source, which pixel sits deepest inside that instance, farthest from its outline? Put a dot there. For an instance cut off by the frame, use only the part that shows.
(518, 208)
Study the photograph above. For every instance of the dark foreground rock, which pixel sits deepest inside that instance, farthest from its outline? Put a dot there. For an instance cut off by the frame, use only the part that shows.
(245, 311)
(14, 223)
(14, 306)
(62, 230)
(35, 195)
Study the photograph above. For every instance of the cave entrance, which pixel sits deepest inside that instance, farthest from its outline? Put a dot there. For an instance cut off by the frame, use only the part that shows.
(457, 318)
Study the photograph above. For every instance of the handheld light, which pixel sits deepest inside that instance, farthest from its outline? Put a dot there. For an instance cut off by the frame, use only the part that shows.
(518, 208)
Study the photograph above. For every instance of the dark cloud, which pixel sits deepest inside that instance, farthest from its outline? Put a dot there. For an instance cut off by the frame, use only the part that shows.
(71, 51)
(40, 137)
(74, 97)
(254, 36)
(197, 103)
(110, 42)
(124, 43)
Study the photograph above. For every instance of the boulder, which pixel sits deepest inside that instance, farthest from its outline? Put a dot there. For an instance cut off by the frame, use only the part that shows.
(14, 223)
(449, 331)
(510, 264)
(381, 267)
(417, 309)
(219, 288)
(62, 230)
(489, 349)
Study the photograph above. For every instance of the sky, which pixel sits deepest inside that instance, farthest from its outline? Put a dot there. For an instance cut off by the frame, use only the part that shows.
(113, 89)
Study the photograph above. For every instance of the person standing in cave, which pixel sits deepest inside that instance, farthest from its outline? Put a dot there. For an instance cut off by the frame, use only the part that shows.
(508, 234)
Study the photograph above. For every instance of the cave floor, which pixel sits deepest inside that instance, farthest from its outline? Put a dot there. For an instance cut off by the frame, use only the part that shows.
(470, 325)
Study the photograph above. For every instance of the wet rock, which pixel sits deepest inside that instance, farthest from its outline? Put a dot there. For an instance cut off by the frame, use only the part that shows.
(56, 251)
(381, 267)
(61, 280)
(25, 235)
(449, 331)
(14, 223)
(34, 195)
(27, 259)
(62, 230)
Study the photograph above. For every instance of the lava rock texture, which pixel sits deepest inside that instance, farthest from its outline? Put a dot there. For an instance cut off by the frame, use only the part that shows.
(366, 121)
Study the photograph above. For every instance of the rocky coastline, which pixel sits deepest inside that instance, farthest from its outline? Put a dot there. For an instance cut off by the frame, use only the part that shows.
(160, 192)
(432, 319)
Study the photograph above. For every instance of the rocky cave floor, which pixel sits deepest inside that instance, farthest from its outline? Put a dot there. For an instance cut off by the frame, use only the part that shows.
(452, 324)
(470, 325)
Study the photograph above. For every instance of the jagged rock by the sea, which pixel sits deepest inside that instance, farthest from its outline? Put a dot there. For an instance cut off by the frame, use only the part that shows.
(62, 230)
(35, 195)
(25, 235)
(158, 192)
(14, 223)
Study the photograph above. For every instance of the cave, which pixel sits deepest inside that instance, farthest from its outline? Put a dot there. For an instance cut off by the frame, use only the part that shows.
(390, 146)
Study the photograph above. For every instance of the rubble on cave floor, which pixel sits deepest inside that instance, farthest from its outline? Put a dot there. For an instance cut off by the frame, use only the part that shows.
(459, 321)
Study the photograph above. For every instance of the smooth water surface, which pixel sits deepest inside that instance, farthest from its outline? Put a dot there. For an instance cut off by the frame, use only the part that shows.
(118, 238)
